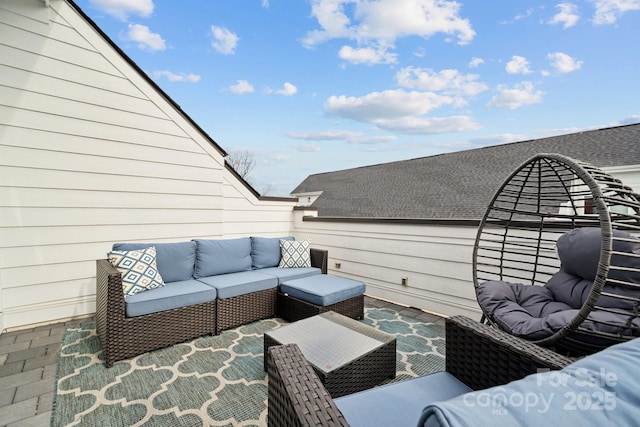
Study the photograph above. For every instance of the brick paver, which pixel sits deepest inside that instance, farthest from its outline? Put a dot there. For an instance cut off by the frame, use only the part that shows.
(28, 361)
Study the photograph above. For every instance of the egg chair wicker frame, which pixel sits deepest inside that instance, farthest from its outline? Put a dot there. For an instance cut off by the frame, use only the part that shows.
(542, 199)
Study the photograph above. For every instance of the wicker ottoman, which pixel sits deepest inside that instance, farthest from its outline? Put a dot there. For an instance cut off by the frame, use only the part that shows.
(306, 297)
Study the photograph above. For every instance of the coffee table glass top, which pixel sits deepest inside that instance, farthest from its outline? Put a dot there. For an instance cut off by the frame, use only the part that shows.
(331, 340)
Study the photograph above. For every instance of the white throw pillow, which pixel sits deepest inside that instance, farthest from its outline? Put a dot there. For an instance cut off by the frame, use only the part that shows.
(138, 268)
(295, 254)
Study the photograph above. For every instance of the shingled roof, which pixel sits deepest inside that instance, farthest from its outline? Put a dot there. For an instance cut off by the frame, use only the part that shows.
(456, 185)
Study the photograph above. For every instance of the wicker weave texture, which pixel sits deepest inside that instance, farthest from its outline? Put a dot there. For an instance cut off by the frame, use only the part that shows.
(482, 356)
(124, 337)
(544, 198)
(364, 367)
(296, 395)
(320, 259)
(361, 374)
(246, 308)
(477, 354)
(236, 311)
(294, 309)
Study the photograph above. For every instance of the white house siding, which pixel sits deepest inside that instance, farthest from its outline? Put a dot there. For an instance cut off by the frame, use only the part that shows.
(91, 154)
(275, 218)
(436, 259)
(628, 174)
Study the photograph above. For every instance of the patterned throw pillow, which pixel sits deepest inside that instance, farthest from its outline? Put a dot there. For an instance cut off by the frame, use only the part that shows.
(295, 254)
(138, 268)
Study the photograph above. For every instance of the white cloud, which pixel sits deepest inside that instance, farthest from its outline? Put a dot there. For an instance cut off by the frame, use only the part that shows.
(446, 81)
(327, 135)
(429, 125)
(476, 62)
(288, 89)
(385, 104)
(372, 140)
(399, 111)
(342, 135)
(367, 55)
(563, 63)
(630, 120)
(182, 77)
(497, 139)
(524, 15)
(121, 9)
(265, 3)
(307, 148)
(224, 41)
(145, 39)
(378, 24)
(608, 11)
(516, 96)
(242, 86)
(518, 65)
(567, 16)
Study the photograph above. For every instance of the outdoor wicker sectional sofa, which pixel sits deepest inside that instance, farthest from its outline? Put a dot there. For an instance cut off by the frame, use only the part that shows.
(210, 286)
(491, 378)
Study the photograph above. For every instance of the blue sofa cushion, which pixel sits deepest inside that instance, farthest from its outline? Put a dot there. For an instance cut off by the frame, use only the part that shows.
(175, 260)
(222, 256)
(601, 389)
(398, 404)
(234, 284)
(323, 289)
(172, 295)
(265, 251)
(286, 274)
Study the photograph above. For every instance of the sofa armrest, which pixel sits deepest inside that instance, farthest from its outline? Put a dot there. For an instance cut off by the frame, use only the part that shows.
(110, 304)
(482, 356)
(296, 397)
(320, 259)
(479, 355)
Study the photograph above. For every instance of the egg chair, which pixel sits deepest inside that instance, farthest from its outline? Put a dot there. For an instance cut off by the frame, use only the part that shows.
(557, 256)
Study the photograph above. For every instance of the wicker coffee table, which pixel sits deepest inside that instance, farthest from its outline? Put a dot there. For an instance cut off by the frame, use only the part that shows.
(347, 355)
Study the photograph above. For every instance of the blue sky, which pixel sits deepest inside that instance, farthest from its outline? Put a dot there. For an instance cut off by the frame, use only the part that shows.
(312, 86)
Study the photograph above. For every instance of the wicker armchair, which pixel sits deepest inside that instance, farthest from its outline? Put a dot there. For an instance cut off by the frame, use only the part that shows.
(123, 337)
(478, 355)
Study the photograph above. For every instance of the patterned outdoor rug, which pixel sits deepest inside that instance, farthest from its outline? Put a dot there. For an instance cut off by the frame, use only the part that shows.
(215, 381)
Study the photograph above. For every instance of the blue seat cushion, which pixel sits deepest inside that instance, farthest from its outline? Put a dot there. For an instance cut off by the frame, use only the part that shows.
(601, 389)
(265, 251)
(398, 404)
(222, 256)
(323, 289)
(175, 261)
(234, 284)
(172, 295)
(286, 274)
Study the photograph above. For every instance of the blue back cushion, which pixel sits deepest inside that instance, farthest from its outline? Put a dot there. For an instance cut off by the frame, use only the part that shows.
(175, 261)
(265, 251)
(222, 256)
